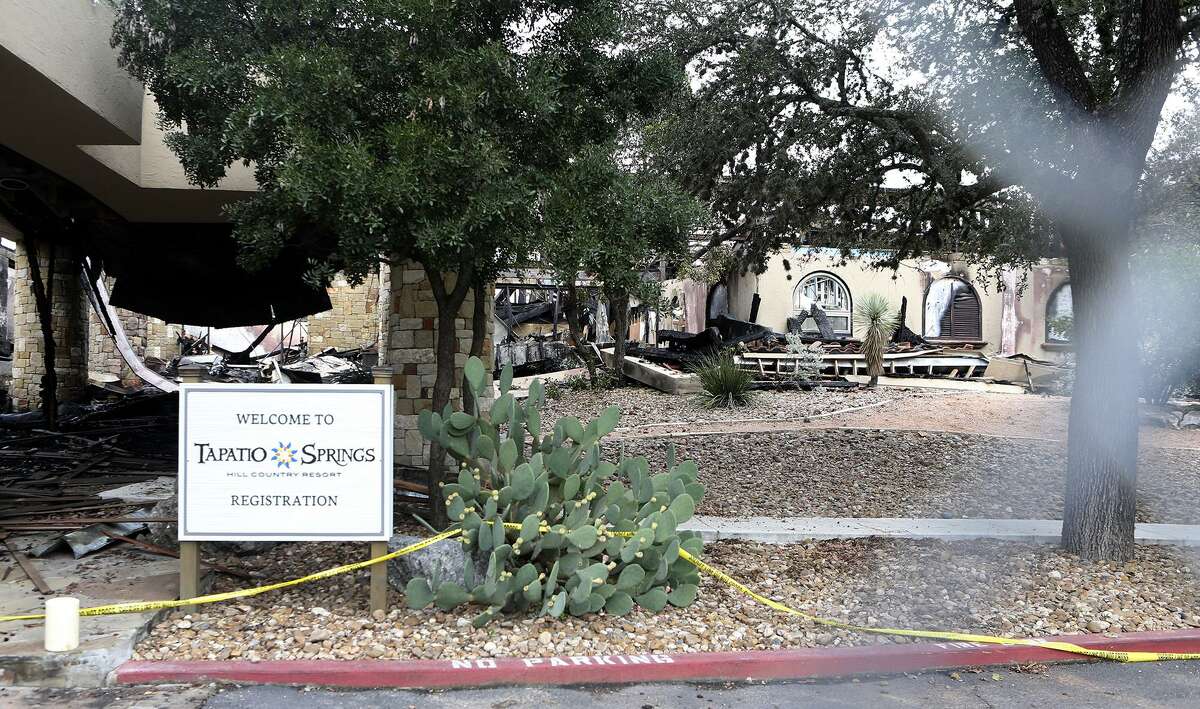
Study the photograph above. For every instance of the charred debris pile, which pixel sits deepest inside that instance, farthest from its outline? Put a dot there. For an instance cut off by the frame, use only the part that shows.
(776, 360)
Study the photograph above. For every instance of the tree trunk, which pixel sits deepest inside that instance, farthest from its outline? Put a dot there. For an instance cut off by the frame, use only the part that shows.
(619, 307)
(479, 326)
(445, 347)
(571, 311)
(43, 297)
(1101, 487)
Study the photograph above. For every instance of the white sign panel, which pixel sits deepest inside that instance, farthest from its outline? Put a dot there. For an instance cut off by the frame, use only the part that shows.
(285, 462)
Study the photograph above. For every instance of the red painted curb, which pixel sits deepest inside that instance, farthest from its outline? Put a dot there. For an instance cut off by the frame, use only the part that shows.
(625, 669)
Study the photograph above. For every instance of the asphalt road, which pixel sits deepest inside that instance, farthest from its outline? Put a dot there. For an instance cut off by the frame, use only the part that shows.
(1144, 686)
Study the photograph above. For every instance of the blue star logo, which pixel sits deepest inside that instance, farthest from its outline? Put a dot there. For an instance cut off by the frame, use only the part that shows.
(283, 456)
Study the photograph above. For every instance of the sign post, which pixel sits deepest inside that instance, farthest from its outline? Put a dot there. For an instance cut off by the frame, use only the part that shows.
(291, 462)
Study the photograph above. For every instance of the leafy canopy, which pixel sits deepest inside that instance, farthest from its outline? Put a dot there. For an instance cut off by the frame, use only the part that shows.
(614, 223)
(911, 127)
(409, 128)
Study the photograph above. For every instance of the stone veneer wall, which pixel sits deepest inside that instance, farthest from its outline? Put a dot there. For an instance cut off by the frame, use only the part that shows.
(351, 322)
(410, 352)
(102, 349)
(69, 324)
(162, 339)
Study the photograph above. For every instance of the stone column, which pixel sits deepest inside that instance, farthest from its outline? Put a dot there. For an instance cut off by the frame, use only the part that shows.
(70, 326)
(412, 326)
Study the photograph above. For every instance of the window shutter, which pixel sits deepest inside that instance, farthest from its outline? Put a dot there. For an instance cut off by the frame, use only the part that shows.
(963, 315)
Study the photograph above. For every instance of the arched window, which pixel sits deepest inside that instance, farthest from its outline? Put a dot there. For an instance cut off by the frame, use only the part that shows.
(952, 311)
(718, 301)
(1060, 315)
(829, 294)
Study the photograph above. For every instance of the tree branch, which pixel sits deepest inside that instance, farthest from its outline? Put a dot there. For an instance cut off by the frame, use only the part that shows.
(1156, 56)
(1040, 25)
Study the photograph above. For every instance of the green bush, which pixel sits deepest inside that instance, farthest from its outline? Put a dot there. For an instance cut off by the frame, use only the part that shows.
(605, 379)
(725, 384)
(569, 554)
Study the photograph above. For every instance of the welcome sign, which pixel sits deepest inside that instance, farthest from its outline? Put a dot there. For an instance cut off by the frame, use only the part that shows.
(285, 462)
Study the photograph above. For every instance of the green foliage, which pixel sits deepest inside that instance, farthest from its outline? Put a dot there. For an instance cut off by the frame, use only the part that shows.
(566, 556)
(605, 379)
(390, 129)
(401, 128)
(875, 321)
(614, 224)
(716, 263)
(853, 123)
(725, 383)
(1062, 326)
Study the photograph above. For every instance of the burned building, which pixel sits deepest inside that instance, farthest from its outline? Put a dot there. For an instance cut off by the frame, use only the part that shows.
(949, 302)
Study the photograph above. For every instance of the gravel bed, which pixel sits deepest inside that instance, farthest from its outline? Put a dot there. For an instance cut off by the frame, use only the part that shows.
(641, 405)
(841, 473)
(993, 587)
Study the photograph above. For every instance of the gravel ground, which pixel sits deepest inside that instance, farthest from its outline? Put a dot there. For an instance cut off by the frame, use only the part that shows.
(641, 406)
(881, 473)
(649, 411)
(996, 587)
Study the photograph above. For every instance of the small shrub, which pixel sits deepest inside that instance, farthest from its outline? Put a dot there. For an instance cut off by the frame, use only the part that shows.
(725, 384)
(605, 379)
(810, 359)
(565, 557)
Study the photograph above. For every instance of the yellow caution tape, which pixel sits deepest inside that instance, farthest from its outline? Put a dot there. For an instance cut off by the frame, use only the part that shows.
(1130, 656)
(140, 606)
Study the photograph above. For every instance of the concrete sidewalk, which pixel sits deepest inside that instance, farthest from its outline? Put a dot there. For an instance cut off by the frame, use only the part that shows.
(771, 530)
(115, 575)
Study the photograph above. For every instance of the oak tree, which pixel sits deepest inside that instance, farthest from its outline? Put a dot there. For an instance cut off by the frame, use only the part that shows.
(1002, 130)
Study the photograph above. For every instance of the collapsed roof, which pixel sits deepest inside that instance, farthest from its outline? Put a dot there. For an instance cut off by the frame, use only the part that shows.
(178, 272)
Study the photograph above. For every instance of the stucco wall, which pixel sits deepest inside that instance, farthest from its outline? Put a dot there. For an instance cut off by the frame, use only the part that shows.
(152, 165)
(787, 269)
(67, 41)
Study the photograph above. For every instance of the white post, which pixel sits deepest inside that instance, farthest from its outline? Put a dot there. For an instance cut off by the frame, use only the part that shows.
(379, 572)
(62, 624)
(189, 552)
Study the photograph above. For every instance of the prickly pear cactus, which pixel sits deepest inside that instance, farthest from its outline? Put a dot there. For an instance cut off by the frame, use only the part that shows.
(564, 551)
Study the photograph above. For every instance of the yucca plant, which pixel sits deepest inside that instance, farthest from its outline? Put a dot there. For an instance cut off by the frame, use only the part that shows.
(725, 384)
(876, 321)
